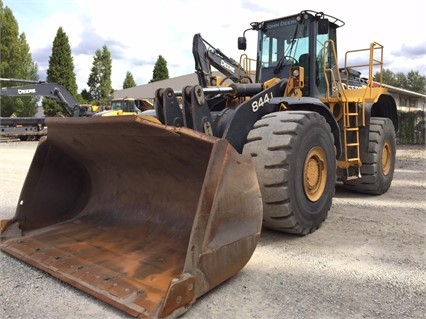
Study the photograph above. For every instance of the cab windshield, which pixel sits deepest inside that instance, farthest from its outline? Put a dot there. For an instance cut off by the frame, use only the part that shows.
(284, 39)
(125, 105)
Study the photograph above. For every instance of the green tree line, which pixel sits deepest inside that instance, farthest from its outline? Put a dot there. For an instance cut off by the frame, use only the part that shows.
(412, 81)
(15, 62)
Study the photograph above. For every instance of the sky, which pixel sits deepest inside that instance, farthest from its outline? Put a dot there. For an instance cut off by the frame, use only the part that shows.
(137, 33)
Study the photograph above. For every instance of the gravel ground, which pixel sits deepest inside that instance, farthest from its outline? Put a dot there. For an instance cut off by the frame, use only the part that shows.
(366, 261)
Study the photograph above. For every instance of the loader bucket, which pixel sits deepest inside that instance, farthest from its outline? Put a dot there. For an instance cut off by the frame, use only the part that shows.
(143, 216)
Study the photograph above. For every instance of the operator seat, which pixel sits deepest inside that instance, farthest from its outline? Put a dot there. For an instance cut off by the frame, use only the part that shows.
(304, 62)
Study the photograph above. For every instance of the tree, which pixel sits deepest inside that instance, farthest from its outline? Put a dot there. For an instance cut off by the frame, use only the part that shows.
(86, 96)
(412, 81)
(388, 77)
(61, 71)
(160, 70)
(16, 62)
(129, 81)
(99, 83)
(401, 80)
(416, 82)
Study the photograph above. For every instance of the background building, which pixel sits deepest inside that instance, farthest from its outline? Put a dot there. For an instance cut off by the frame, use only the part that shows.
(406, 101)
(147, 91)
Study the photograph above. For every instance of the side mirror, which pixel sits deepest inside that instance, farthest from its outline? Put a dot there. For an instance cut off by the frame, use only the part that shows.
(323, 26)
(242, 43)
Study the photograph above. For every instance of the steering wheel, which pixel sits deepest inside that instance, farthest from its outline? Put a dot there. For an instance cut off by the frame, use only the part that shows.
(280, 63)
(291, 58)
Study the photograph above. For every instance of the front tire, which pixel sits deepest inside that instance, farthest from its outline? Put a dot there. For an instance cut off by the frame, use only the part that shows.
(295, 160)
(378, 167)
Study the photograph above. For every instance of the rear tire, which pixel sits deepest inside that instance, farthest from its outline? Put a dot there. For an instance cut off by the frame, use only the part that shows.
(295, 160)
(378, 168)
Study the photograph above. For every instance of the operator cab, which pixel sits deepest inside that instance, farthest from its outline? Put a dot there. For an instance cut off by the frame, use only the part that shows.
(296, 40)
(125, 104)
(120, 106)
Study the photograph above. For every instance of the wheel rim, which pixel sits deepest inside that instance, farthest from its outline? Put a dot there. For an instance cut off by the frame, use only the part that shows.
(315, 174)
(386, 158)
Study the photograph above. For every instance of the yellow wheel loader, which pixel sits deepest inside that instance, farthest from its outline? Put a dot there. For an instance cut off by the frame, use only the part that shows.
(148, 213)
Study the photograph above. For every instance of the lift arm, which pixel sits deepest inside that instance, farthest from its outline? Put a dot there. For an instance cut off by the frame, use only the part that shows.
(206, 55)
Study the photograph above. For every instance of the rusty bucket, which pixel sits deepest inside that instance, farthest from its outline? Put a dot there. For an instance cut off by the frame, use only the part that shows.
(143, 216)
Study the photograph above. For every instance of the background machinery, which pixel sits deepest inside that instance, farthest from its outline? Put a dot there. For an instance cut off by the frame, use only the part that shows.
(23, 128)
(33, 128)
(127, 106)
(53, 90)
(155, 211)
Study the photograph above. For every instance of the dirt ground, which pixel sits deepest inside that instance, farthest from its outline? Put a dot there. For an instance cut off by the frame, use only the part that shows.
(366, 261)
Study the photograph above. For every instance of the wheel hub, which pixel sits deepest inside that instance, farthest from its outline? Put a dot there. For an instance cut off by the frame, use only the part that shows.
(315, 174)
(386, 158)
